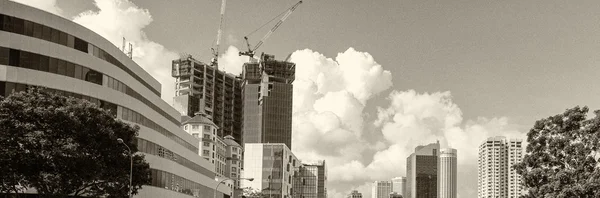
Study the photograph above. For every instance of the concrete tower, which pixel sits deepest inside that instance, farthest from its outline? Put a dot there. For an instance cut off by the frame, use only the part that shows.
(399, 185)
(447, 171)
(495, 175)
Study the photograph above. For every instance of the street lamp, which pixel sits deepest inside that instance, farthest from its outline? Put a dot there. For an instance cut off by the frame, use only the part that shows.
(215, 194)
(130, 164)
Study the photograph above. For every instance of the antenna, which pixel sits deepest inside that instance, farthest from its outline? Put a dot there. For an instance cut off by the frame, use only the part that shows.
(123, 47)
(130, 53)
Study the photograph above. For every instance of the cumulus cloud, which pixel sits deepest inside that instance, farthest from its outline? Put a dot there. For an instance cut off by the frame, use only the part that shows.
(116, 19)
(231, 61)
(329, 122)
(46, 5)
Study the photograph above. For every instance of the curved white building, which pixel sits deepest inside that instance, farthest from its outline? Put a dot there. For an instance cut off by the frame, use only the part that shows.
(41, 49)
(447, 173)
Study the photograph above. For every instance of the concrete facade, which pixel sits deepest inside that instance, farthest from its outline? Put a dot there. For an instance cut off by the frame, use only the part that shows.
(447, 173)
(98, 71)
(495, 175)
(399, 185)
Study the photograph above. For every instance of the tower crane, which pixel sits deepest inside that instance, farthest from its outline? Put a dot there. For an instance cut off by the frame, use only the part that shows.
(251, 51)
(215, 52)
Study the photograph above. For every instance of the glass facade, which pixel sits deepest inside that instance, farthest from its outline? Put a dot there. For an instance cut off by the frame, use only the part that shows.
(268, 97)
(426, 176)
(155, 149)
(170, 181)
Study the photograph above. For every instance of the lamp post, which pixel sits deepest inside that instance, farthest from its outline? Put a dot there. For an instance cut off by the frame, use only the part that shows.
(130, 164)
(215, 194)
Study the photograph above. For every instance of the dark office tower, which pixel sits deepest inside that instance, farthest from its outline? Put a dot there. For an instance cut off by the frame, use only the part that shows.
(421, 172)
(267, 90)
(200, 87)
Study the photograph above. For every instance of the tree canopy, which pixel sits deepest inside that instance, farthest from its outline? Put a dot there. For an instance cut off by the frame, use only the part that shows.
(62, 146)
(561, 159)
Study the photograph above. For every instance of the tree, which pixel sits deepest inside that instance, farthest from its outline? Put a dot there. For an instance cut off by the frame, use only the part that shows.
(252, 193)
(561, 159)
(65, 146)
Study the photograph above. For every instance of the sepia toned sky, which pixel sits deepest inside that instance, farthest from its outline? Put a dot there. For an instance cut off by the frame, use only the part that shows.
(377, 78)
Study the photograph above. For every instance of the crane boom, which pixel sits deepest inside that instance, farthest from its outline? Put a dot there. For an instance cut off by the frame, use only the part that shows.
(250, 51)
(219, 33)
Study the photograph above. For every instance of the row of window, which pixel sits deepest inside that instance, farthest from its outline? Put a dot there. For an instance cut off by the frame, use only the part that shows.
(170, 181)
(28, 60)
(135, 117)
(36, 30)
(155, 149)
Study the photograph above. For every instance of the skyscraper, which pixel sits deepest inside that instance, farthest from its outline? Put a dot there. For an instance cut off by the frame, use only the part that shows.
(495, 175)
(447, 173)
(203, 88)
(381, 189)
(399, 185)
(310, 180)
(421, 172)
(355, 194)
(267, 91)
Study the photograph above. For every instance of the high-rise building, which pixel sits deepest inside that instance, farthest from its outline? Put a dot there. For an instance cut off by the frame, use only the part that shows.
(310, 180)
(40, 49)
(272, 166)
(381, 189)
(267, 90)
(447, 171)
(399, 185)
(495, 175)
(203, 88)
(224, 153)
(355, 194)
(421, 172)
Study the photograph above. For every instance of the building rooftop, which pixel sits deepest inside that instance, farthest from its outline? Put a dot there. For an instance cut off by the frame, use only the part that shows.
(229, 140)
(199, 119)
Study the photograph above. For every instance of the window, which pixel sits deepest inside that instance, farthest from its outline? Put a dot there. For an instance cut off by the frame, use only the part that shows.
(206, 136)
(44, 63)
(62, 38)
(14, 57)
(46, 33)
(28, 28)
(4, 55)
(81, 45)
(234, 169)
(194, 127)
(53, 65)
(185, 127)
(62, 67)
(55, 35)
(206, 153)
(205, 143)
(207, 128)
(70, 41)
(37, 30)
(78, 72)
(70, 69)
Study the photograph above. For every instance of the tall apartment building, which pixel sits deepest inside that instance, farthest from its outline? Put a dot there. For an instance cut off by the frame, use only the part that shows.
(272, 166)
(399, 185)
(421, 172)
(223, 153)
(40, 49)
(203, 88)
(355, 194)
(268, 91)
(447, 173)
(381, 189)
(310, 180)
(495, 175)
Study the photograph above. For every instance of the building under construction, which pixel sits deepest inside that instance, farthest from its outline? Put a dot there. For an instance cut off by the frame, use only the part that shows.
(268, 92)
(200, 87)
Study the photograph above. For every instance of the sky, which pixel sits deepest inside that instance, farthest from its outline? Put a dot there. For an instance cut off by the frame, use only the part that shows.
(375, 80)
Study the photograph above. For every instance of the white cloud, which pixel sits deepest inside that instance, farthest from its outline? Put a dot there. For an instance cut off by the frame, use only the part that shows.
(46, 5)
(329, 123)
(231, 61)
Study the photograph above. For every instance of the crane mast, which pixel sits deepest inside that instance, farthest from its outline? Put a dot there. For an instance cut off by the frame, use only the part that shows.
(251, 51)
(215, 58)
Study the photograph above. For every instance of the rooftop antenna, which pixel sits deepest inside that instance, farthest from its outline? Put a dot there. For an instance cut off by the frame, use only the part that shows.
(123, 47)
(130, 53)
